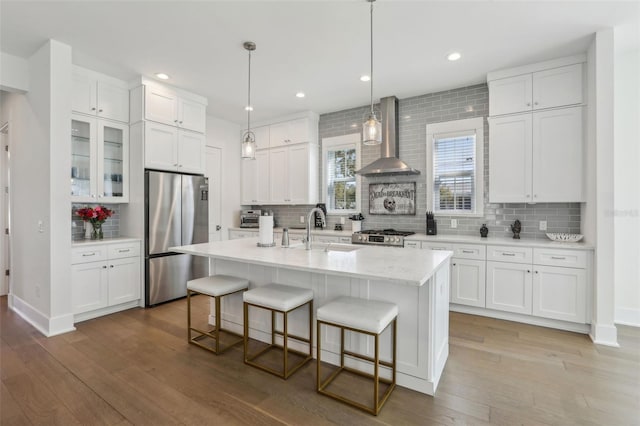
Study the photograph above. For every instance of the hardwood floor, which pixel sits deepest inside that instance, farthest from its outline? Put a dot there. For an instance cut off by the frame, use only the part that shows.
(135, 367)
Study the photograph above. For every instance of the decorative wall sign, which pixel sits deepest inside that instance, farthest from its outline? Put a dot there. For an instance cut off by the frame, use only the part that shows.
(392, 198)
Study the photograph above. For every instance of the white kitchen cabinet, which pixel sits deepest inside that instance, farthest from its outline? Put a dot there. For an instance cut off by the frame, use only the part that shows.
(468, 275)
(556, 87)
(468, 282)
(168, 105)
(560, 284)
(99, 160)
(255, 179)
(105, 278)
(165, 105)
(99, 95)
(293, 174)
(509, 287)
(173, 149)
(537, 157)
(295, 131)
(560, 293)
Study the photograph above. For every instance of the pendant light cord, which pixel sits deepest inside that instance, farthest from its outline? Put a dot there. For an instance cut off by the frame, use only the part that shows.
(371, 56)
(249, 97)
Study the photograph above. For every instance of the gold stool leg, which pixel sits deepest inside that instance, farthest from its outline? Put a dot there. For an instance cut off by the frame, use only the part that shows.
(376, 382)
(218, 323)
(245, 309)
(188, 315)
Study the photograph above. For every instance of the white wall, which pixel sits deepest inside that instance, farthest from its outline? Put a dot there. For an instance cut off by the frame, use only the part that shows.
(626, 209)
(40, 160)
(226, 135)
(14, 73)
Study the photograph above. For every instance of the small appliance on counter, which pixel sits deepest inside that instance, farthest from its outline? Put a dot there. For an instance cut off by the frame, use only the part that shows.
(356, 222)
(317, 218)
(250, 218)
(484, 231)
(432, 225)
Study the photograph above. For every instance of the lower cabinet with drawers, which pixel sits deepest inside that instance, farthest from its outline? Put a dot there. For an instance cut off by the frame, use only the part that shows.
(295, 236)
(546, 286)
(106, 277)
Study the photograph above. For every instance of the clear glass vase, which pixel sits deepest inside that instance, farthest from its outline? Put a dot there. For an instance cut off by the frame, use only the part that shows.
(96, 232)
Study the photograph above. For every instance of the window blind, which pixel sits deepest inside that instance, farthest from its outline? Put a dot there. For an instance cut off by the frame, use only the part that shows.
(341, 178)
(454, 172)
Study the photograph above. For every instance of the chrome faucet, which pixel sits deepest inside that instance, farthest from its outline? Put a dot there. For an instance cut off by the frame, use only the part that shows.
(307, 240)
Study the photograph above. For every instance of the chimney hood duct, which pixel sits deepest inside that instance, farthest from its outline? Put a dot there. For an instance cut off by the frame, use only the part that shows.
(388, 163)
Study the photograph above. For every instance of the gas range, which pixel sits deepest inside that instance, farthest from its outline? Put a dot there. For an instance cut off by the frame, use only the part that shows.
(380, 237)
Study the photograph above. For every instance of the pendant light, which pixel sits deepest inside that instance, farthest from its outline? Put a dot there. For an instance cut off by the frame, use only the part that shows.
(249, 138)
(371, 128)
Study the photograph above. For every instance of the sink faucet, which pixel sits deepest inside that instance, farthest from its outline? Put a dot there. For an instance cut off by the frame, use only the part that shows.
(307, 240)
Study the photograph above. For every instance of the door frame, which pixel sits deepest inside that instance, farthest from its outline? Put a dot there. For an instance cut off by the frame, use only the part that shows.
(5, 208)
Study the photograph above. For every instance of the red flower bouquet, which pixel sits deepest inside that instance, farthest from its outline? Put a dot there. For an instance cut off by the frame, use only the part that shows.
(96, 216)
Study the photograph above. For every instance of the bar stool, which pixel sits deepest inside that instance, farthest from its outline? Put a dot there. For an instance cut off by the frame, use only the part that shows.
(370, 317)
(215, 286)
(278, 298)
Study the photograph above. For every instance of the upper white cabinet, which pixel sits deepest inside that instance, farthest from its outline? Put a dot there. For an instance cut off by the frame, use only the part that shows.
(170, 148)
(99, 95)
(293, 131)
(293, 174)
(550, 88)
(537, 157)
(167, 105)
(256, 179)
(99, 160)
(286, 172)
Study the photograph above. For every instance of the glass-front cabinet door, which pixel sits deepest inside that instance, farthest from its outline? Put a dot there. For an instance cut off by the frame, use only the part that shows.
(83, 158)
(113, 162)
(99, 160)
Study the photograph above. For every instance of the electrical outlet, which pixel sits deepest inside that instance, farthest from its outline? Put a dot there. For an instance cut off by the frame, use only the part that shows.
(301, 219)
(454, 223)
(543, 225)
(342, 220)
(40, 226)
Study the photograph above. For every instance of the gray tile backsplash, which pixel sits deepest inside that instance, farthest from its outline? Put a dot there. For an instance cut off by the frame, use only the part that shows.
(110, 228)
(414, 115)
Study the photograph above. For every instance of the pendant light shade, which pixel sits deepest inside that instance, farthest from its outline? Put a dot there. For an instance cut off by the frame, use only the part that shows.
(249, 138)
(371, 128)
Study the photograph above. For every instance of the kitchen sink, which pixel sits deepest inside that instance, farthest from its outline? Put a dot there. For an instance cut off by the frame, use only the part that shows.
(327, 247)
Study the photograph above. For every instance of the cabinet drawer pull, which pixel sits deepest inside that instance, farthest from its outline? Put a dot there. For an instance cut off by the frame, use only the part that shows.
(88, 254)
(558, 257)
(93, 109)
(508, 254)
(124, 250)
(110, 266)
(467, 251)
(104, 267)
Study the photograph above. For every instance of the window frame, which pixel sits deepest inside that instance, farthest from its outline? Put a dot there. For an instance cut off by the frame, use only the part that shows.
(457, 127)
(332, 143)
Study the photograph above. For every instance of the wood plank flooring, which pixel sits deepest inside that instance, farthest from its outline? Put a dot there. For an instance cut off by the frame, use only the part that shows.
(135, 367)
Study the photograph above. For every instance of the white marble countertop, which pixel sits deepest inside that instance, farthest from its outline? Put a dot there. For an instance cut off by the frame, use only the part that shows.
(80, 243)
(471, 239)
(393, 264)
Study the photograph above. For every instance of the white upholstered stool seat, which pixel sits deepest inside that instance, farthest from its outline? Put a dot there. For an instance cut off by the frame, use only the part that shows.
(283, 299)
(370, 317)
(215, 286)
(218, 285)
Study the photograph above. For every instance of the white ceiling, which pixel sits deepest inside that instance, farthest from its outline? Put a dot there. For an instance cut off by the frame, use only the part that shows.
(319, 47)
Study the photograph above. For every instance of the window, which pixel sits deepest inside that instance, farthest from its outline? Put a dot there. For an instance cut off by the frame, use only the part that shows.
(455, 164)
(341, 185)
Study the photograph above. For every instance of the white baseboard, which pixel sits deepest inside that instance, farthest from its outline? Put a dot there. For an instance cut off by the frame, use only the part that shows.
(45, 325)
(606, 335)
(627, 316)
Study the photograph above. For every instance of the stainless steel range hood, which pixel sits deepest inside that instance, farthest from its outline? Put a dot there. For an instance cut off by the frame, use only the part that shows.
(388, 163)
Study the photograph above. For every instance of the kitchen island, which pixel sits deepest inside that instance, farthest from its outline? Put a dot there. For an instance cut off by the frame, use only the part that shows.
(416, 280)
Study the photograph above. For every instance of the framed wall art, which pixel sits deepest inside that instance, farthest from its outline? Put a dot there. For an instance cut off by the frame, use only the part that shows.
(392, 198)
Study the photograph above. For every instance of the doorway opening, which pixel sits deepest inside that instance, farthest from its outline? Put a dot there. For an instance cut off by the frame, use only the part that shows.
(5, 215)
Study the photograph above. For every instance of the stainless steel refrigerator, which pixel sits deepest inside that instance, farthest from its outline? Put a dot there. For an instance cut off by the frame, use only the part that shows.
(176, 214)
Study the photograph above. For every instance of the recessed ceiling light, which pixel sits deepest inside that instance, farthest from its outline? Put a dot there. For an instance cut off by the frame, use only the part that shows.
(300, 95)
(248, 108)
(365, 78)
(162, 76)
(454, 56)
